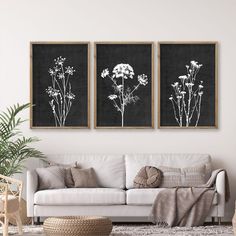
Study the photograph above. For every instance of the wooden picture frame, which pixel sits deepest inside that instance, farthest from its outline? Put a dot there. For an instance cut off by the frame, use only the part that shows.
(188, 68)
(111, 58)
(60, 85)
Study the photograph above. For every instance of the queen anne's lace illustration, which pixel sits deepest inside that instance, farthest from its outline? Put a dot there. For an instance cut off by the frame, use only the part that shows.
(187, 98)
(123, 95)
(59, 92)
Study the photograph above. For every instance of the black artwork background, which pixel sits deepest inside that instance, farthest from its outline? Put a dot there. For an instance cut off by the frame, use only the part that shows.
(173, 58)
(139, 56)
(43, 56)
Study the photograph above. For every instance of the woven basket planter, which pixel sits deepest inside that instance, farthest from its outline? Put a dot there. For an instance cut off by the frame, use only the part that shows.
(23, 215)
(76, 226)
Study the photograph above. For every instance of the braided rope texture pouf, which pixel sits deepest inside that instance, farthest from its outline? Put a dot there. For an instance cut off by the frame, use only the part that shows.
(76, 226)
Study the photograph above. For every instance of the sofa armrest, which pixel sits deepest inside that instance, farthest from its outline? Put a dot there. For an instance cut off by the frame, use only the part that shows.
(220, 188)
(32, 185)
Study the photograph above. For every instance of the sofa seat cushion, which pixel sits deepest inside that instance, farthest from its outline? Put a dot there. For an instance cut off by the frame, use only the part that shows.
(80, 196)
(147, 196)
(142, 196)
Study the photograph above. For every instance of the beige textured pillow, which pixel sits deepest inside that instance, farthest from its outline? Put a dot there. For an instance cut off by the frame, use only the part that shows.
(171, 177)
(148, 177)
(186, 177)
(84, 178)
(51, 177)
(193, 176)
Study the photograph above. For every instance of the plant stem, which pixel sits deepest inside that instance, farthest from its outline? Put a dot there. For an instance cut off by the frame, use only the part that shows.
(116, 105)
(189, 102)
(194, 108)
(199, 110)
(135, 88)
(64, 96)
(175, 112)
(123, 105)
(180, 117)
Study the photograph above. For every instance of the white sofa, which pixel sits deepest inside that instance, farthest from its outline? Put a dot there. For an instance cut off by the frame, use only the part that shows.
(116, 198)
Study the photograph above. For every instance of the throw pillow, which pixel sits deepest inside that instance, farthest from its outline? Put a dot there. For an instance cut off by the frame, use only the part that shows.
(186, 177)
(193, 176)
(51, 177)
(69, 182)
(171, 177)
(84, 178)
(148, 177)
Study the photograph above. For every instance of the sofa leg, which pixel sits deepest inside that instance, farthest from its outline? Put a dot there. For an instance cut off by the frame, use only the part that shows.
(38, 220)
(219, 220)
(213, 220)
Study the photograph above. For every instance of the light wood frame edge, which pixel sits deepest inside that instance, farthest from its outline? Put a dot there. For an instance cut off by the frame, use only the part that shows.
(152, 43)
(31, 85)
(159, 83)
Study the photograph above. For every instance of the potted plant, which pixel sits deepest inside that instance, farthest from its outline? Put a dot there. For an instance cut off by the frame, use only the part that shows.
(15, 148)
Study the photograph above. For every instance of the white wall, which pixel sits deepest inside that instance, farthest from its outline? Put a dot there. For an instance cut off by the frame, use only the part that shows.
(22, 21)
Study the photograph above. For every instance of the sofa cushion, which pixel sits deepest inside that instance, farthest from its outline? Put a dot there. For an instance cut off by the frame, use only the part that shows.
(104, 165)
(148, 177)
(147, 196)
(142, 196)
(171, 177)
(69, 182)
(134, 162)
(184, 177)
(193, 176)
(80, 196)
(52, 177)
(84, 178)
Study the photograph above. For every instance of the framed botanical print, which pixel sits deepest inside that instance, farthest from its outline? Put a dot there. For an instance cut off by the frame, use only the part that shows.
(187, 79)
(59, 85)
(123, 85)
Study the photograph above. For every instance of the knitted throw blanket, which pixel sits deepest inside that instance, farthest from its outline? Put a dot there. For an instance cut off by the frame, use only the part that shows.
(182, 206)
(185, 206)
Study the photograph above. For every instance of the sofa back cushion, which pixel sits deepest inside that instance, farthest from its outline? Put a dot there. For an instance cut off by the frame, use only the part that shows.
(109, 169)
(134, 162)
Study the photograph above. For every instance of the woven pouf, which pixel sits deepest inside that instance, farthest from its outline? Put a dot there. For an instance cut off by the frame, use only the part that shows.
(79, 225)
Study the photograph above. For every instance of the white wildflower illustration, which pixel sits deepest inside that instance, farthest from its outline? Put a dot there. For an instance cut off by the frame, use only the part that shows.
(187, 98)
(123, 94)
(60, 94)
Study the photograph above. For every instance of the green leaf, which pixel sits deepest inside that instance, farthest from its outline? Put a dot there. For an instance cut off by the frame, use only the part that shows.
(14, 147)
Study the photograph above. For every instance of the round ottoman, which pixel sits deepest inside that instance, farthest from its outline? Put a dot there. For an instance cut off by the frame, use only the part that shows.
(78, 225)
